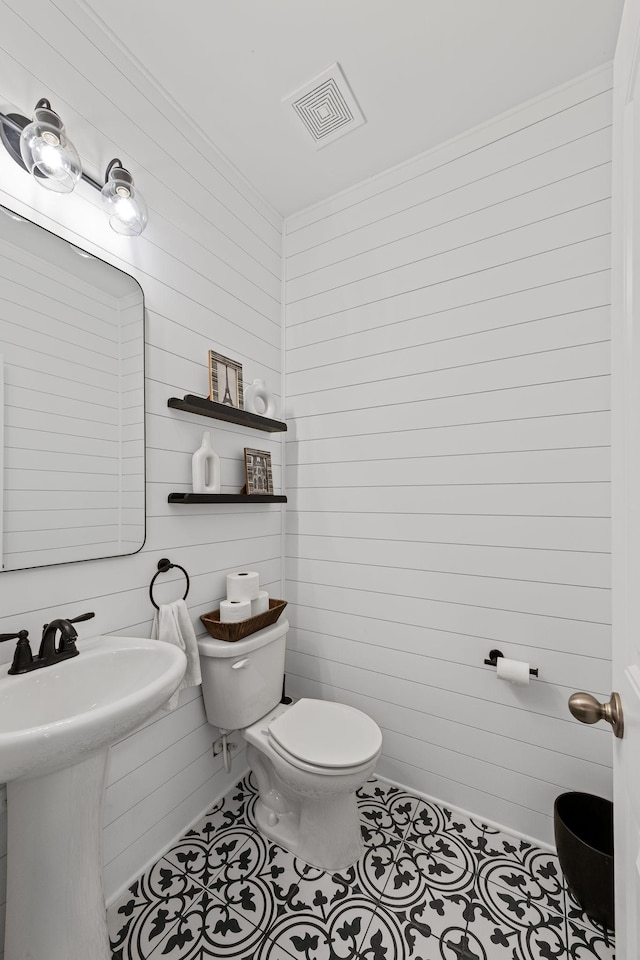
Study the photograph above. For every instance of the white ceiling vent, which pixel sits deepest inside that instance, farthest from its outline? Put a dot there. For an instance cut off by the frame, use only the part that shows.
(326, 106)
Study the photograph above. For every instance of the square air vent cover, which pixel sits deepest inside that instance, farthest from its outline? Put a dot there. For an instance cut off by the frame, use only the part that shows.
(326, 106)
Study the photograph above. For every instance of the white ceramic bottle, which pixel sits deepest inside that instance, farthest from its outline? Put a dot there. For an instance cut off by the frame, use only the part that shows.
(205, 467)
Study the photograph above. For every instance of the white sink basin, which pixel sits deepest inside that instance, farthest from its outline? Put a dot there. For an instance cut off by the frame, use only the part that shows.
(56, 726)
(59, 715)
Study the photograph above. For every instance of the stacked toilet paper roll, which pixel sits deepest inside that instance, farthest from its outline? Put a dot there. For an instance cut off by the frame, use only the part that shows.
(260, 604)
(244, 585)
(244, 597)
(233, 611)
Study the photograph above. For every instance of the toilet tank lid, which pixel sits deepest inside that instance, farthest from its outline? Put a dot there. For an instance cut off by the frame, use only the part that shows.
(211, 647)
(327, 734)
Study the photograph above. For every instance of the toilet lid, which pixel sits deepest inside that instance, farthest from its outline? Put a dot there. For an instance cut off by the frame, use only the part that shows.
(326, 734)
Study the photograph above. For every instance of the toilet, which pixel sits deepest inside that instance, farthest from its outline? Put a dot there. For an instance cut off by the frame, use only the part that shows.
(308, 758)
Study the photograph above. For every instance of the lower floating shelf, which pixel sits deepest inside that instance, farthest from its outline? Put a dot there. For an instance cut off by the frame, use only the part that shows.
(226, 498)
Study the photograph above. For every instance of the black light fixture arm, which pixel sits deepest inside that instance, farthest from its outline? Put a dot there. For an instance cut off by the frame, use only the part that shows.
(111, 166)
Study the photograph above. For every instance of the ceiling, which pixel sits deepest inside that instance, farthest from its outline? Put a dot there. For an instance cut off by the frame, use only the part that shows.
(422, 71)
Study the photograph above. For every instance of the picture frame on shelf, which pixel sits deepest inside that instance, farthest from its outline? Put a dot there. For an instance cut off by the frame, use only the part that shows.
(225, 381)
(258, 472)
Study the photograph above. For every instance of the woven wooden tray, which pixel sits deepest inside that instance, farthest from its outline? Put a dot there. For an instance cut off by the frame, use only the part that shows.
(238, 631)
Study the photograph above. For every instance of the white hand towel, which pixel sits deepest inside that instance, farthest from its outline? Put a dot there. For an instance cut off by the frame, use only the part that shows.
(172, 624)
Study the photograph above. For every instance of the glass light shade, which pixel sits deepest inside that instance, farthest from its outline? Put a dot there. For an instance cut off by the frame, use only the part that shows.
(48, 154)
(124, 204)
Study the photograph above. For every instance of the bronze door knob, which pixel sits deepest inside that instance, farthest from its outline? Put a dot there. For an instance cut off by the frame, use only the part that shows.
(587, 709)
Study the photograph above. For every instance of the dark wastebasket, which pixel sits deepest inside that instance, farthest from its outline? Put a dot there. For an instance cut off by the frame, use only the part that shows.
(584, 839)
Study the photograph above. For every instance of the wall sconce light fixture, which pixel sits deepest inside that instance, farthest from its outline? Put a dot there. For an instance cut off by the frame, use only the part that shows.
(47, 152)
(124, 204)
(42, 148)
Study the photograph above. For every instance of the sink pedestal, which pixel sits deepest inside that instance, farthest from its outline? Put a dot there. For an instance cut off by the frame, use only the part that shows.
(55, 894)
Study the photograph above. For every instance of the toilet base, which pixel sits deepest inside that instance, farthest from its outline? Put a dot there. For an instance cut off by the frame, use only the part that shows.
(327, 835)
(313, 816)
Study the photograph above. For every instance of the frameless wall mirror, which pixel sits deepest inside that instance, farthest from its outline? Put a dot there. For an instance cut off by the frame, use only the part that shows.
(72, 404)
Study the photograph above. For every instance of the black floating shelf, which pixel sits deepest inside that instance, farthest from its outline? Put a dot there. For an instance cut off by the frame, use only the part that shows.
(226, 498)
(220, 411)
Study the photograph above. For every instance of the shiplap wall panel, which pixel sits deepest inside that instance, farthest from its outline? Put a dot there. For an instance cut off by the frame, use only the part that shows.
(542, 176)
(585, 498)
(567, 601)
(544, 433)
(209, 266)
(522, 466)
(484, 264)
(582, 327)
(448, 468)
(553, 301)
(550, 566)
(476, 291)
(405, 261)
(536, 533)
(579, 396)
(319, 625)
(542, 366)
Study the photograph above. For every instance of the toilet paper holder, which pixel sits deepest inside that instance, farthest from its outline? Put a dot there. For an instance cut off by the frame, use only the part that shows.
(493, 661)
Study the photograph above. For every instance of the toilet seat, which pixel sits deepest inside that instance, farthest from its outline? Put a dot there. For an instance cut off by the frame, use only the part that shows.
(325, 736)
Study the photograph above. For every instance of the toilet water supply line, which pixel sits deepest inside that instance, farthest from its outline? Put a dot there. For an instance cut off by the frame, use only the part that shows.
(224, 747)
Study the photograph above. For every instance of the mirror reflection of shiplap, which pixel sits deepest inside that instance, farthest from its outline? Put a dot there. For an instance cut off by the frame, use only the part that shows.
(71, 331)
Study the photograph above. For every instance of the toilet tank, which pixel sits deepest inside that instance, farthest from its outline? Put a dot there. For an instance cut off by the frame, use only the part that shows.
(242, 681)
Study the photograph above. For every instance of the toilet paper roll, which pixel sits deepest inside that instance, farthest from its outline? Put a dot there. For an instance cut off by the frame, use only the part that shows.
(232, 611)
(517, 671)
(243, 586)
(260, 604)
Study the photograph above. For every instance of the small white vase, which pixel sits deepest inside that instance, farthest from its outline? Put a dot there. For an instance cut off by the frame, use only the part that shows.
(259, 399)
(205, 467)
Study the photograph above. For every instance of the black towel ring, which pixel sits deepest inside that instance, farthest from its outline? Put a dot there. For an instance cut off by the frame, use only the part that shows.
(165, 565)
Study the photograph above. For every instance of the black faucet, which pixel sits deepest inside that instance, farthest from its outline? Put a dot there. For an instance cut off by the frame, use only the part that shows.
(23, 659)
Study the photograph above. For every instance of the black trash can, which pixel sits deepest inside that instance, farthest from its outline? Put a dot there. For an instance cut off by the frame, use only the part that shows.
(583, 827)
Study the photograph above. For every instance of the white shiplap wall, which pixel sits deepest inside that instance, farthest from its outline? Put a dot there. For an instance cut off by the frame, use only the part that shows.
(209, 265)
(447, 330)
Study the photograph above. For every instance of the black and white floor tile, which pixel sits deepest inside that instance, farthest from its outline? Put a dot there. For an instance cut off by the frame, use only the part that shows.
(431, 885)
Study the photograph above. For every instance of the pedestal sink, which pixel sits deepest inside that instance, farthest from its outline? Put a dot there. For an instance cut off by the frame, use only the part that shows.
(56, 727)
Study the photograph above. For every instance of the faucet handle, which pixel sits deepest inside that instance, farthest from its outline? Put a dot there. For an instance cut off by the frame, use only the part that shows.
(22, 658)
(83, 616)
(20, 635)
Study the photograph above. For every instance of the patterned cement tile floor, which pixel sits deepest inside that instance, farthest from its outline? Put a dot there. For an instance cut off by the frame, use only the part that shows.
(431, 885)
